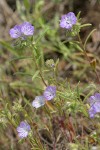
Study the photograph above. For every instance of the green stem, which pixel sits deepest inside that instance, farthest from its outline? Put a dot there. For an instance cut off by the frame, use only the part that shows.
(40, 72)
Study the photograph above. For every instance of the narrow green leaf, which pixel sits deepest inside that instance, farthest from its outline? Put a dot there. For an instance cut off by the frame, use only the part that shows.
(75, 44)
(78, 15)
(22, 73)
(35, 75)
(85, 25)
(27, 4)
(88, 37)
(19, 58)
(57, 62)
(42, 34)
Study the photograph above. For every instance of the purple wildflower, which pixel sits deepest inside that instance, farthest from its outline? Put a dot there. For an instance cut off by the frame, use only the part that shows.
(15, 32)
(50, 92)
(23, 129)
(27, 29)
(67, 21)
(38, 102)
(94, 105)
(22, 30)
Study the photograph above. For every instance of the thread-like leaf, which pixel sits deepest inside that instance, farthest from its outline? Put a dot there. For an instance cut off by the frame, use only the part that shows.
(88, 37)
(35, 75)
(19, 58)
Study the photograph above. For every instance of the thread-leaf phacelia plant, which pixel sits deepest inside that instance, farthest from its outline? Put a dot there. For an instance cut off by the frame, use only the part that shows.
(61, 104)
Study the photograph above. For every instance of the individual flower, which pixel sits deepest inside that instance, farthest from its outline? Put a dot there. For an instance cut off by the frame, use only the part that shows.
(50, 92)
(23, 129)
(15, 32)
(27, 29)
(38, 102)
(94, 105)
(67, 21)
(22, 30)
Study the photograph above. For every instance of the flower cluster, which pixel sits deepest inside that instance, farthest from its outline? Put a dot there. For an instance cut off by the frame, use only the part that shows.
(50, 63)
(23, 129)
(49, 94)
(22, 30)
(94, 105)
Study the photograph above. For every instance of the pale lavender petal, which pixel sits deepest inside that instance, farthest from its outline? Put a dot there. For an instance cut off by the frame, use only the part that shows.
(67, 21)
(27, 29)
(97, 107)
(97, 96)
(23, 124)
(63, 24)
(23, 129)
(15, 32)
(23, 134)
(50, 92)
(19, 129)
(38, 102)
(92, 113)
(72, 18)
(94, 101)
